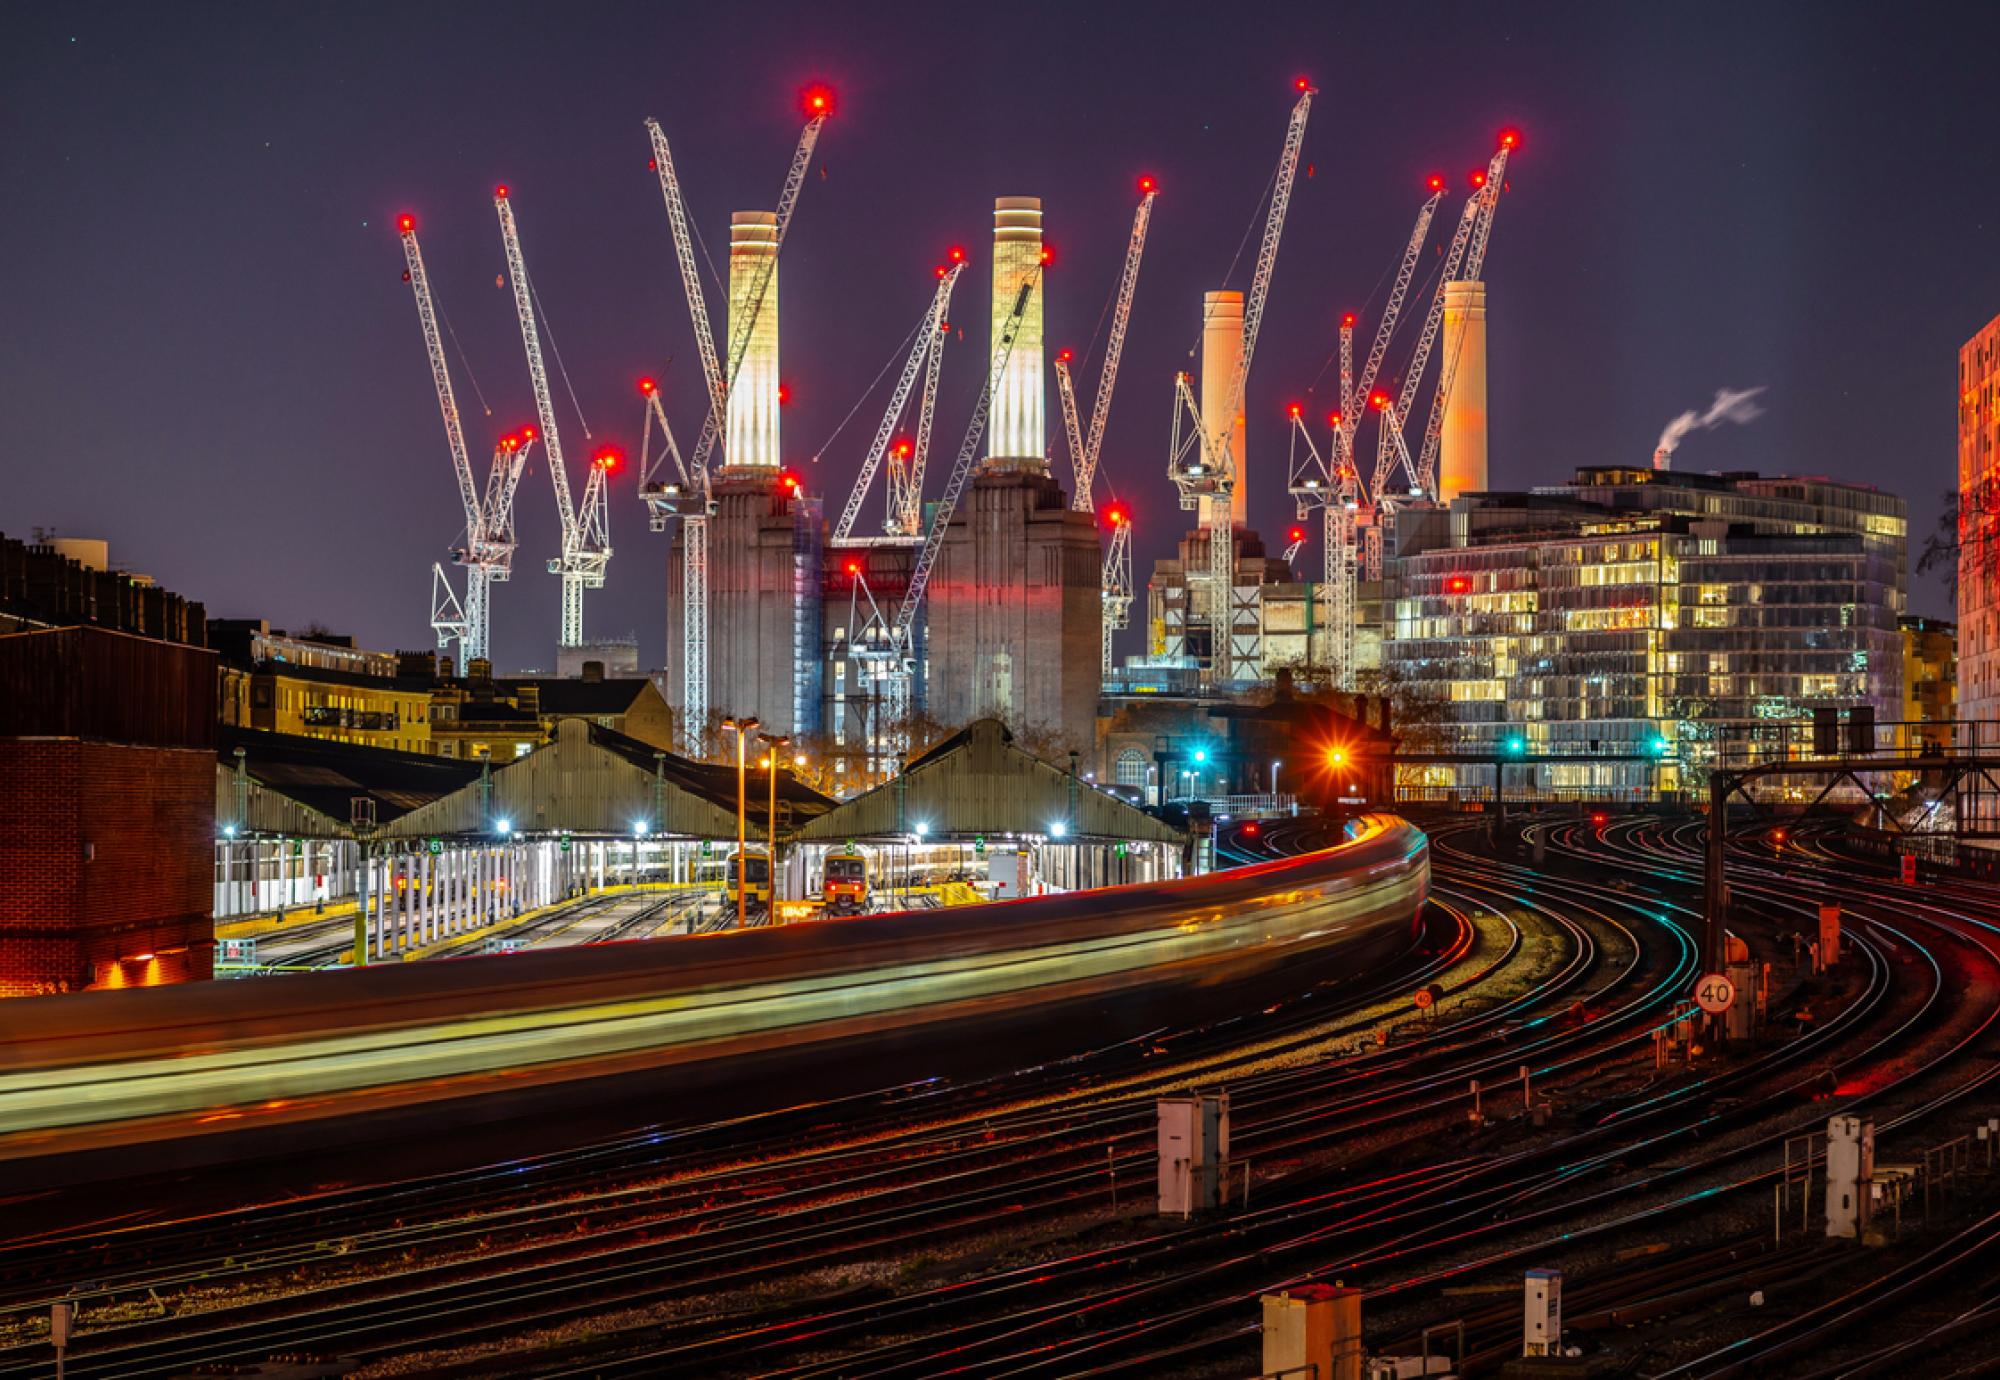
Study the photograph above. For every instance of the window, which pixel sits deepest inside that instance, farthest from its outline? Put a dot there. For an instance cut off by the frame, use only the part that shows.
(1131, 769)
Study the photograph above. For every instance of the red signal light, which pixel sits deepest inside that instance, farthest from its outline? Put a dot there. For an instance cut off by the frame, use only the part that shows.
(652, 165)
(500, 191)
(1294, 410)
(1600, 819)
(784, 394)
(941, 271)
(1302, 84)
(1148, 186)
(405, 224)
(647, 387)
(1510, 138)
(817, 101)
(788, 481)
(956, 254)
(1251, 829)
(1347, 319)
(1298, 534)
(1333, 419)
(1065, 355)
(1116, 515)
(1458, 584)
(608, 458)
(1048, 254)
(528, 433)
(854, 569)
(1478, 178)
(1379, 400)
(1434, 183)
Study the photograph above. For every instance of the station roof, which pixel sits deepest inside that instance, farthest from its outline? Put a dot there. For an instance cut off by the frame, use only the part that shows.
(979, 782)
(592, 781)
(307, 786)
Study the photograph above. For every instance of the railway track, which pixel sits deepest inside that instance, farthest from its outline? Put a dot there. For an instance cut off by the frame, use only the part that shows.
(1369, 1171)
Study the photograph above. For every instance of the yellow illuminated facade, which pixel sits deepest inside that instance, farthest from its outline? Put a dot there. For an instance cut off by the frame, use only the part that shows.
(752, 438)
(1016, 431)
(1631, 623)
(312, 702)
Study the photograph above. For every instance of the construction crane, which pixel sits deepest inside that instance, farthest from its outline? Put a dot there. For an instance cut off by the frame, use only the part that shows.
(488, 551)
(1206, 478)
(586, 530)
(886, 644)
(691, 496)
(905, 482)
(818, 103)
(1115, 580)
(1086, 445)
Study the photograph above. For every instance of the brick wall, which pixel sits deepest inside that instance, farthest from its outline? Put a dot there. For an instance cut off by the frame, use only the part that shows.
(105, 855)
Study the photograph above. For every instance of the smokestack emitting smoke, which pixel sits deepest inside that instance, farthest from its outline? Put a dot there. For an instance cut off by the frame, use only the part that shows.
(1731, 405)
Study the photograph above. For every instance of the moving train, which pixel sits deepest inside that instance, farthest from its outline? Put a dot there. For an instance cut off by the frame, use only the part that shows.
(757, 869)
(845, 887)
(206, 1072)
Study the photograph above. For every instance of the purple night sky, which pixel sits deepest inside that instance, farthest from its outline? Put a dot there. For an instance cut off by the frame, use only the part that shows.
(211, 358)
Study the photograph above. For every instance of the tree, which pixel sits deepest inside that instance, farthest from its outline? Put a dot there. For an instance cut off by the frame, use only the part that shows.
(1941, 547)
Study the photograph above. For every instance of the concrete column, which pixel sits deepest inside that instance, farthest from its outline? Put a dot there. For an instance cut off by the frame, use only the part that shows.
(1017, 430)
(752, 435)
(1221, 354)
(1462, 444)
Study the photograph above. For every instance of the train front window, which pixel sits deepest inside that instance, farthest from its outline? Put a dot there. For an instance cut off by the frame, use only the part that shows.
(846, 870)
(758, 869)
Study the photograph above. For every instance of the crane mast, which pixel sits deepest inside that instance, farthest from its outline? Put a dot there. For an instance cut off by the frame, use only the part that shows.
(1085, 457)
(1210, 482)
(704, 333)
(586, 545)
(488, 552)
(1488, 200)
(928, 346)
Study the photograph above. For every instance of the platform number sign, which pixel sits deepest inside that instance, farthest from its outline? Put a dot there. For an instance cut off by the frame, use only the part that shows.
(979, 843)
(436, 846)
(1715, 994)
(565, 843)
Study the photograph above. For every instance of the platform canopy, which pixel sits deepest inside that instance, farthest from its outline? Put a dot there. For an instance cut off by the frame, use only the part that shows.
(592, 781)
(978, 782)
(307, 787)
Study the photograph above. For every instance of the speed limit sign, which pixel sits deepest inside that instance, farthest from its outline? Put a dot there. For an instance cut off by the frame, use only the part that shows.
(1715, 994)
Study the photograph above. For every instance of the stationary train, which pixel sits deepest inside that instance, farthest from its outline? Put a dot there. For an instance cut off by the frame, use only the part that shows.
(194, 1073)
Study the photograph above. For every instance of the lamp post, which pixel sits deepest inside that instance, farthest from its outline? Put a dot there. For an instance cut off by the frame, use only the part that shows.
(742, 728)
(773, 741)
(1274, 776)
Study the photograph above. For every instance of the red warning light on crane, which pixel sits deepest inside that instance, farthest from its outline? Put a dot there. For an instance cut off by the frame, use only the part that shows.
(854, 569)
(1294, 410)
(789, 482)
(501, 191)
(901, 449)
(1333, 418)
(1434, 182)
(1510, 138)
(1116, 515)
(784, 394)
(1347, 319)
(1379, 400)
(1148, 185)
(1297, 534)
(1048, 254)
(510, 443)
(1478, 177)
(528, 433)
(608, 458)
(1302, 84)
(648, 387)
(1458, 584)
(817, 101)
(405, 224)
(956, 253)
(1065, 356)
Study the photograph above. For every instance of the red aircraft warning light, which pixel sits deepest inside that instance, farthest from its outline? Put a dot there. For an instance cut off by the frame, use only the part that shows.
(510, 443)
(1148, 186)
(1458, 584)
(1333, 418)
(1379, 400)
(1294, 410)
(501, 191)
(854, 569)
(405, 224)
(1510, 138)
(1298, 534)
(817, 101)
(1116, 515)
(1065, 355)
(789, 482)
(648, 387)
(528, 433)
(1048, 254)
(956, 253)
(1302, 84)
(1347, 319)
(608, 458)
(784, 394)
(1434, 182)
(1478, 178)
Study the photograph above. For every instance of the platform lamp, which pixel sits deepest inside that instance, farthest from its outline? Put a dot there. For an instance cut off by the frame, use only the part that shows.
(742, 728)
(772, 742)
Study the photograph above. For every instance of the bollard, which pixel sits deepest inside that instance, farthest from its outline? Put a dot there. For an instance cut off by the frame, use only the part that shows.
(1527, 1090)
(1542, 1316)
(1478, 1115)
(1850, 1172)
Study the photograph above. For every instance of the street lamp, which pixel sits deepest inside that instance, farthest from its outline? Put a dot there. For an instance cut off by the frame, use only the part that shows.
(1275, 764)
(776, 741)
(742, 728)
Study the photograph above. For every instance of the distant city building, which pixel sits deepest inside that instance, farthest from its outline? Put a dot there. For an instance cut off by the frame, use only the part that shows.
(57, 582)
(616, 657)
(1639, 607)
(1930, 678)
(1979, 527)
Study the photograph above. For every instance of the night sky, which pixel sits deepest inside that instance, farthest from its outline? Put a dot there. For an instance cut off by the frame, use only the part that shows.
(212, 361)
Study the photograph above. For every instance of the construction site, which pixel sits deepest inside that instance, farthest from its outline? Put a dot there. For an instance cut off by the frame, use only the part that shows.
(997, 587)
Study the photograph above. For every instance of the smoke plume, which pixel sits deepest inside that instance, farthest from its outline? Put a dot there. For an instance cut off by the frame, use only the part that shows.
(1737, 405)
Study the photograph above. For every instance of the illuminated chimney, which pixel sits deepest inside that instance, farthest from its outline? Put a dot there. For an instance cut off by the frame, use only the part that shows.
(1462, 445)
(1221, 354)
(752, 438)
(1016, 437)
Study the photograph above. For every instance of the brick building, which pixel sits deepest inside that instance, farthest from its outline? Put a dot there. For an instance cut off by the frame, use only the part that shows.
(107, 810)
